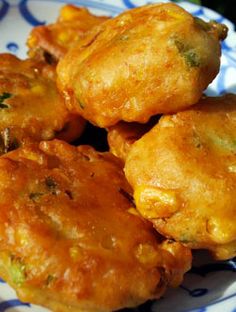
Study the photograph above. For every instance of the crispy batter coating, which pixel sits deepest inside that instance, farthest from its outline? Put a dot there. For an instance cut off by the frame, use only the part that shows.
(72, 129)
(51, 42)
(184, 175)
(122, 136)
(69, 239)
(152, 59)
(31, 108)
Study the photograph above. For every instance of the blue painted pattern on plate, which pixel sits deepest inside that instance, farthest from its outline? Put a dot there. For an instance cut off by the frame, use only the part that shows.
(208, 287)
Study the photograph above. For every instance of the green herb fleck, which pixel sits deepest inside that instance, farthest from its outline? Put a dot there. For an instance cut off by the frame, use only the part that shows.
(81, 104)
(17, 270)
(50, 279)
(4, 97)
(35, 196)
(51, 185)
(190, 56)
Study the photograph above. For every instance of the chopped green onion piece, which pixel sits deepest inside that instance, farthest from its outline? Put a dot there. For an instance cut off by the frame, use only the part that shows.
(4, 97)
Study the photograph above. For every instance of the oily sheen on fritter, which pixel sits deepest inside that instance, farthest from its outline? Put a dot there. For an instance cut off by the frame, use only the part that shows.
(51, 42)
(122, 136)
(184, 174)
(149, 60)
(31, 108)
(70, 239)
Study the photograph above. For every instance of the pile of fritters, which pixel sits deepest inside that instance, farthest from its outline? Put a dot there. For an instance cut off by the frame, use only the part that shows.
(75, 235)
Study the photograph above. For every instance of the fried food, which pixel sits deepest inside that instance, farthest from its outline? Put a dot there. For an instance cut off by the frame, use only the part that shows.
(69, 238)
(122, 136)
(51, 42)
(184, 174)
(31, 108)
(72, 129)
(149, 60)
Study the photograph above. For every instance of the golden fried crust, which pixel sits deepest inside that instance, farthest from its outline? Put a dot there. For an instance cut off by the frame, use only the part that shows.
(122, 136)
(69, 240)
(72, 129)
(31, 108)
(153, 59)
(51, 42)
(184, 175)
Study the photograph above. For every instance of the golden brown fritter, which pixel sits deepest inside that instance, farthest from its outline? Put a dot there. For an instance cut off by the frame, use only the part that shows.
(68, 238)
(123, 135)
(73, 128)
(31, 108)
(149, 60)
(51, 42)
(184, 175)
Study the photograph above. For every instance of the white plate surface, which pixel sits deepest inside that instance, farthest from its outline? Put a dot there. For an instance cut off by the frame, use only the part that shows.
(209, 287)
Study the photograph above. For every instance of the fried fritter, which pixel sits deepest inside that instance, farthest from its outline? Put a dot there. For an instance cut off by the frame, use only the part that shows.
(31, 108)
(72, 129)
(149, 60)
(184, 175)
(123, 135)
(51, 42)
(68, 238)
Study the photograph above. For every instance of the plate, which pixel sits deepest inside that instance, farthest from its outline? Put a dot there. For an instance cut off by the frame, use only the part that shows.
(209, 286)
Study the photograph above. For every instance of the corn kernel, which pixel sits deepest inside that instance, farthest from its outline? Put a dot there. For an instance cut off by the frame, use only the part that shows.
(175, 15)
(75, 253)
(68, 13)
(153, 202)
(38, 89)
(35, 157)
(22, 237)
(32, 41)
(232, 168)
(147, 254)
(133, 211)
(63, 37)
(167, 122)
(221, 231)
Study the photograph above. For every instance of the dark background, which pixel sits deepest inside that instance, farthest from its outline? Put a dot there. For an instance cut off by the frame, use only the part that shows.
(224, 7)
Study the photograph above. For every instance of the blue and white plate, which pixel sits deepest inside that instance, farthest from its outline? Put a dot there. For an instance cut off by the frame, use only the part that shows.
(209, 286)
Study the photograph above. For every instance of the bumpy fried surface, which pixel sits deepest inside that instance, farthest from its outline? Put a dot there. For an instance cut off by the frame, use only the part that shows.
(69, 240)
(30, 105)
(153, 59)
(122, 136)
(72, 129)
(51, 42)
(184, 175)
